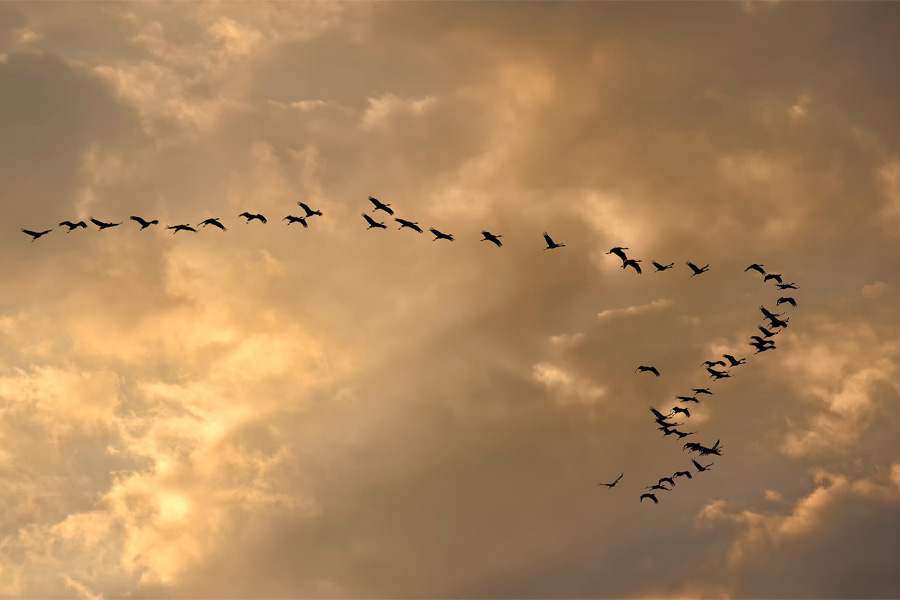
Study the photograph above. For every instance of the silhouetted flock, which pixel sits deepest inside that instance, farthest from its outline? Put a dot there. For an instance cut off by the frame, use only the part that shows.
(761, 343)
(663, 421)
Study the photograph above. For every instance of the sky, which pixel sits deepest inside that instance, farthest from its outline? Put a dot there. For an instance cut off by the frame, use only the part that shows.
(335, 412)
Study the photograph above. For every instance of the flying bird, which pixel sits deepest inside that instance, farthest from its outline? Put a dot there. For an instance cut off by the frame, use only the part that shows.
(143, 222)
(769, 315)
(701, 391)
(682, 410)
(717, 374)
(550, 243)
(613, 484)
(755, 267)
(618, 252)
(775, 276)
(250, 217)
(632, 263)
(490, 237)
(688, 399)
(178, 228)
(787, 300)
(657, 487)
(214, 222)
(786, 286)
(292, 219)
(36, 234)
(710, 363)
(682, 434)
(669, 479)
(766, 332)
(701, 468)
(410, 224)
(659, 415)
(644, 369)
(440, 236)
(103, 225)
(775, 322)
(373, 223)
(651, 496)
(697, 270)
(309, 212)
(735, 361)
(381, 206)
(660, 267)
(683, 474)
(72, 225)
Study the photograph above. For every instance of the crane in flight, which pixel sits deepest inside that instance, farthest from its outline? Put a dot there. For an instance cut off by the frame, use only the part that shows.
(660, 268)
(381, 206)
(143, 222)
(250, 217)
(292, 219)
(373, 223)
(36, 234)
(72, 225)
(103, 225)
(178, 228)
(755, 267)
(613, 484)
(214, 222)
(775, 276)
(687, 399)
(651, 496)
(309, 212)
(550, 243)
(697, 270)
(440, 236)
(701, 391)
(632, 263)
(786, 300)
(618, 251)
(735, 361)
(490, 237)
(701, 468)
(414, 225)
(646, 369)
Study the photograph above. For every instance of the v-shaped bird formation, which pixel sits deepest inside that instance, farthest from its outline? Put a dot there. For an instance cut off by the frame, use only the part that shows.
(717, 369)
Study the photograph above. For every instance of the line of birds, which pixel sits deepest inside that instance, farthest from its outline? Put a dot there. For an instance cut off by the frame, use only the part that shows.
(774, 326)
(634, 263)
(216, 222)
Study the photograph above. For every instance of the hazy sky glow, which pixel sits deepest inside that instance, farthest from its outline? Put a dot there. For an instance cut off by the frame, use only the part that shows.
(332, 412)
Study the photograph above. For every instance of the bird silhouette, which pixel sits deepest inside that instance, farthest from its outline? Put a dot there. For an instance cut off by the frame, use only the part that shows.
(440, 236)
(550, 243)
(618, 252)
(651, 496)
(787, 300)
(683, 474)
(697, 270)
(250, 217)
(669, 479)
(775, 276)
(657, 487)
(766, 332)
(769, 315)
(103, 225)
(143, 222)
(660, 267)
(490, 237)
(701, 468)
(381, 206)
(760, 340)
(411, 224)
(701, 391)
(755, 267)
(613, 484)
(710, 363)
(214, 222)
(679, 409)
(735, 361)
(682, 434)
(762, 347)
(659, 415)
(72, 225)
(178, 228)
(292, 219)
(373, 223)
(644, 369)
(718, 374)
(688, 399)
(776, 322)
(36, 234)
(786, 286)
(309, 212)
(632, 263)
